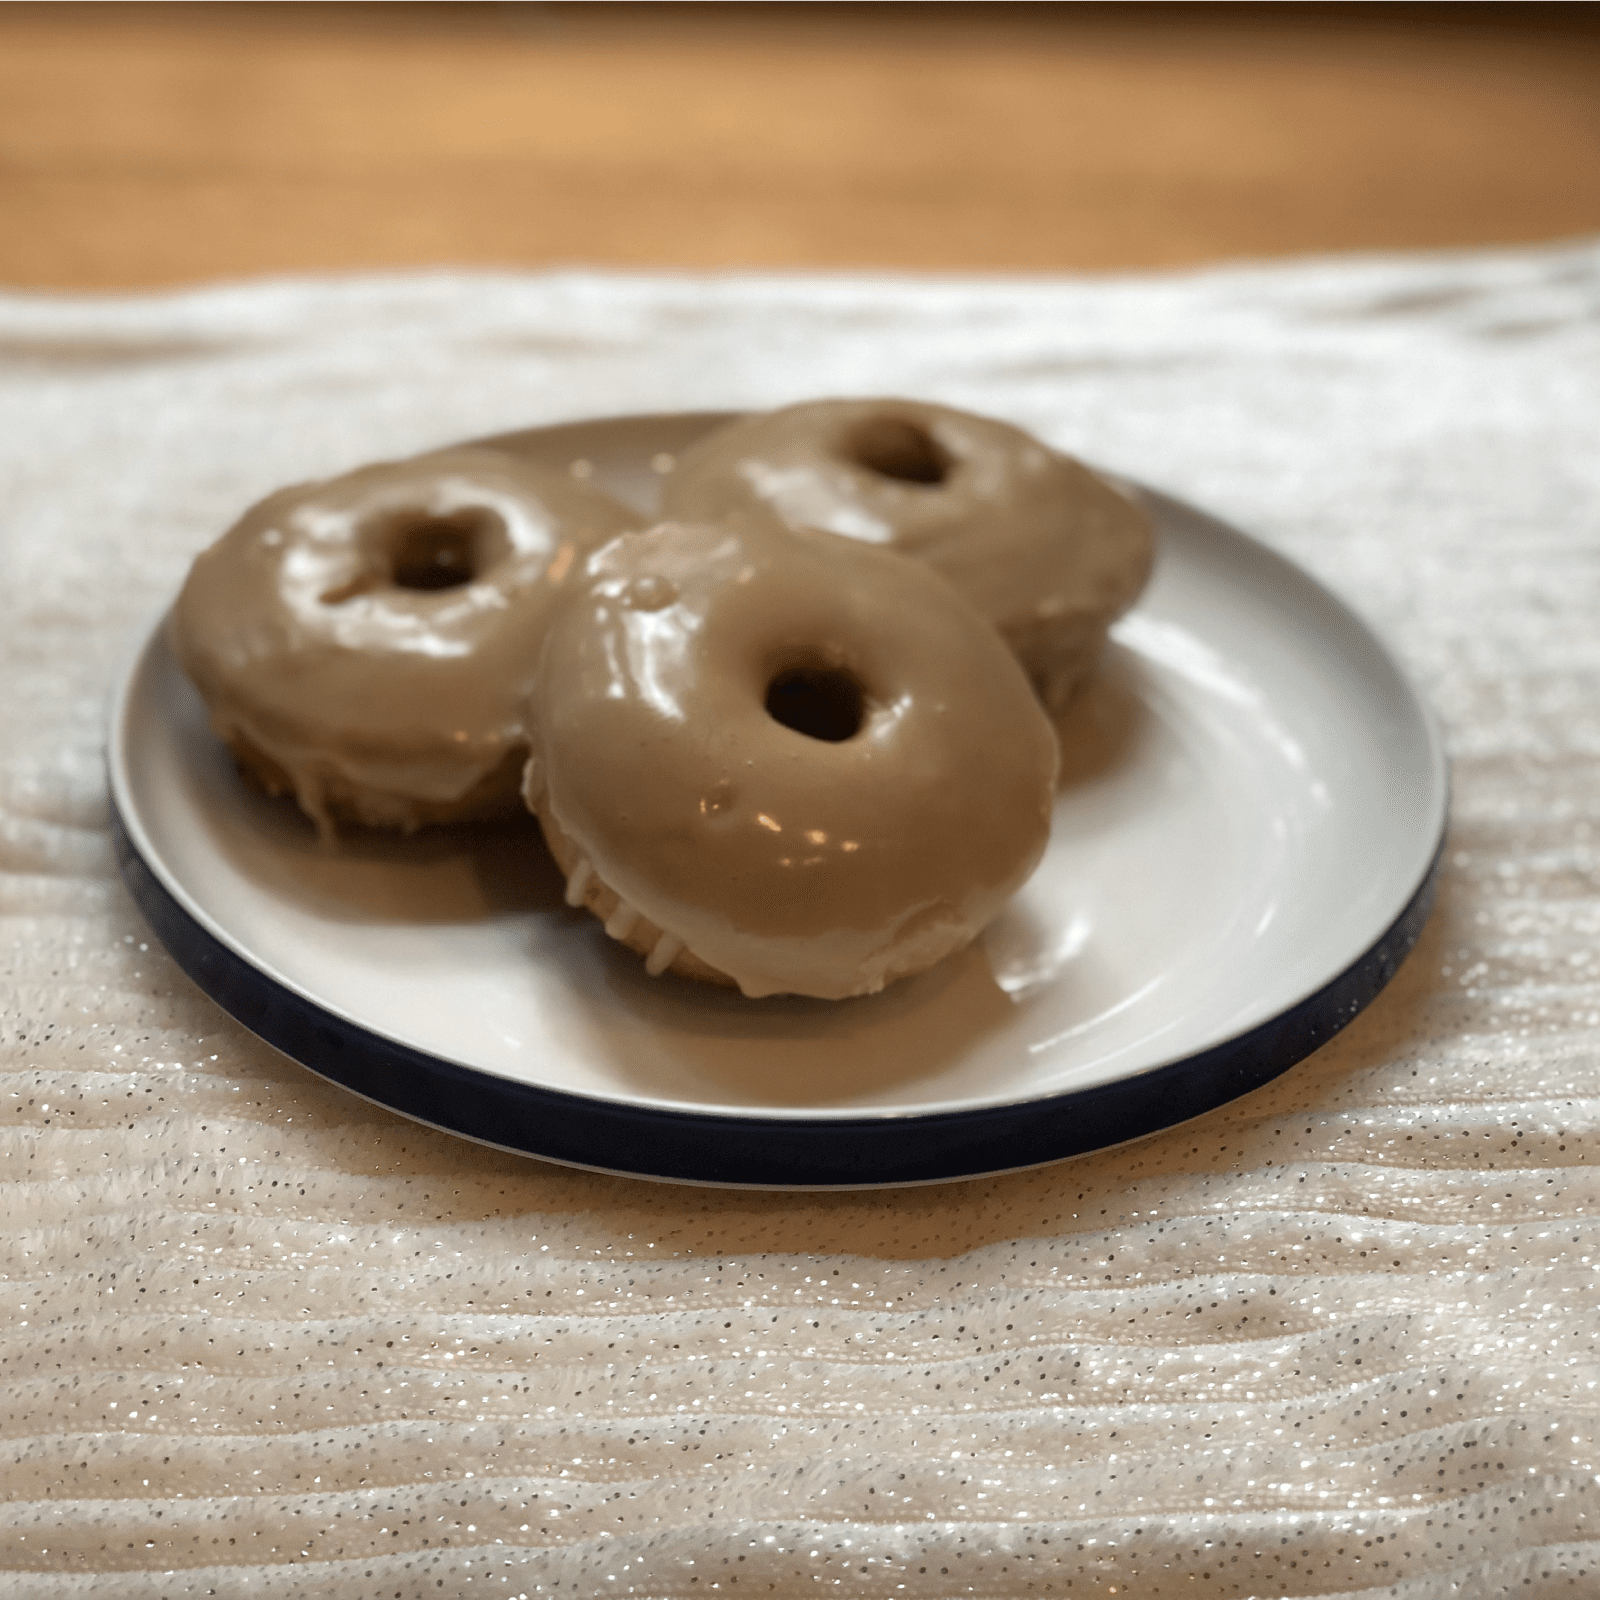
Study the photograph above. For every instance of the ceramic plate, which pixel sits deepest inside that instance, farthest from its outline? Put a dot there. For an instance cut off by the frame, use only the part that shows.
(1244, 848)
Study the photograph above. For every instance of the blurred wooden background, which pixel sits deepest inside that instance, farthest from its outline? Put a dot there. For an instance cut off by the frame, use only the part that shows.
(152, 144)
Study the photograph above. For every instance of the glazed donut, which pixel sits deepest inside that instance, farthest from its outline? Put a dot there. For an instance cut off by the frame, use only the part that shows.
(783, 760)
(367, 643)
(1046, 550)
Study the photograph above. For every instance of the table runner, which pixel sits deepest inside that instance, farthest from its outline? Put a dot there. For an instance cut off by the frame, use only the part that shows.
(1338, 1338)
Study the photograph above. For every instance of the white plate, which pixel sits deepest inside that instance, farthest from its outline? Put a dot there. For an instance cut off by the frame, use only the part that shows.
(1243, 851)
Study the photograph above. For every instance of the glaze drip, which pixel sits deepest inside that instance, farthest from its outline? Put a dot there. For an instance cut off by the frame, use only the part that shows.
(578, 883)
(662, 954)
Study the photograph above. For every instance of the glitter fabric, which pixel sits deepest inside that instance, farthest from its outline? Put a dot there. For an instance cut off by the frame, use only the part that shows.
(1338, 1338)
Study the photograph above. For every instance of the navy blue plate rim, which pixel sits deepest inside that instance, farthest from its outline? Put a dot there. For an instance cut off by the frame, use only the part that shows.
(723, 1149)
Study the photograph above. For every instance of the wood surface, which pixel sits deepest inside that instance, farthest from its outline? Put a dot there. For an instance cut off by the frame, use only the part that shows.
(149, 145)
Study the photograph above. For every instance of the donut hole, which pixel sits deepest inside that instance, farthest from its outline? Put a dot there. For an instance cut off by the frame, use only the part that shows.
(434, 552)
(424, 551)
(824, 703)
(894, 447)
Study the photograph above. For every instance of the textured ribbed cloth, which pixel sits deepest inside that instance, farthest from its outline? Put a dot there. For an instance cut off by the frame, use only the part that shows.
(263, 1339)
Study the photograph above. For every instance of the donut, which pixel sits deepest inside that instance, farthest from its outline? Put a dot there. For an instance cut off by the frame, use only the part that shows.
(783, 760)
(367, 643)
(1047, 551)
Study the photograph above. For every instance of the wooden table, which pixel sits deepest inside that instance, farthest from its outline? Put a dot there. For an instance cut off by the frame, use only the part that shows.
(148, 145)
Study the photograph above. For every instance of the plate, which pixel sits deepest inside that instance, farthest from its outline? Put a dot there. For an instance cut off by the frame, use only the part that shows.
(1244, 848)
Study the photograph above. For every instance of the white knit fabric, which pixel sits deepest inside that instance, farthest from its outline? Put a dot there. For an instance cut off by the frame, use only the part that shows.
(1339, 1338)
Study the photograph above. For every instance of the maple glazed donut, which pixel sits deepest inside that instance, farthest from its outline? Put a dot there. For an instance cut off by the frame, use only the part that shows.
(784, 760)
(1046, 550)
(367, 643)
